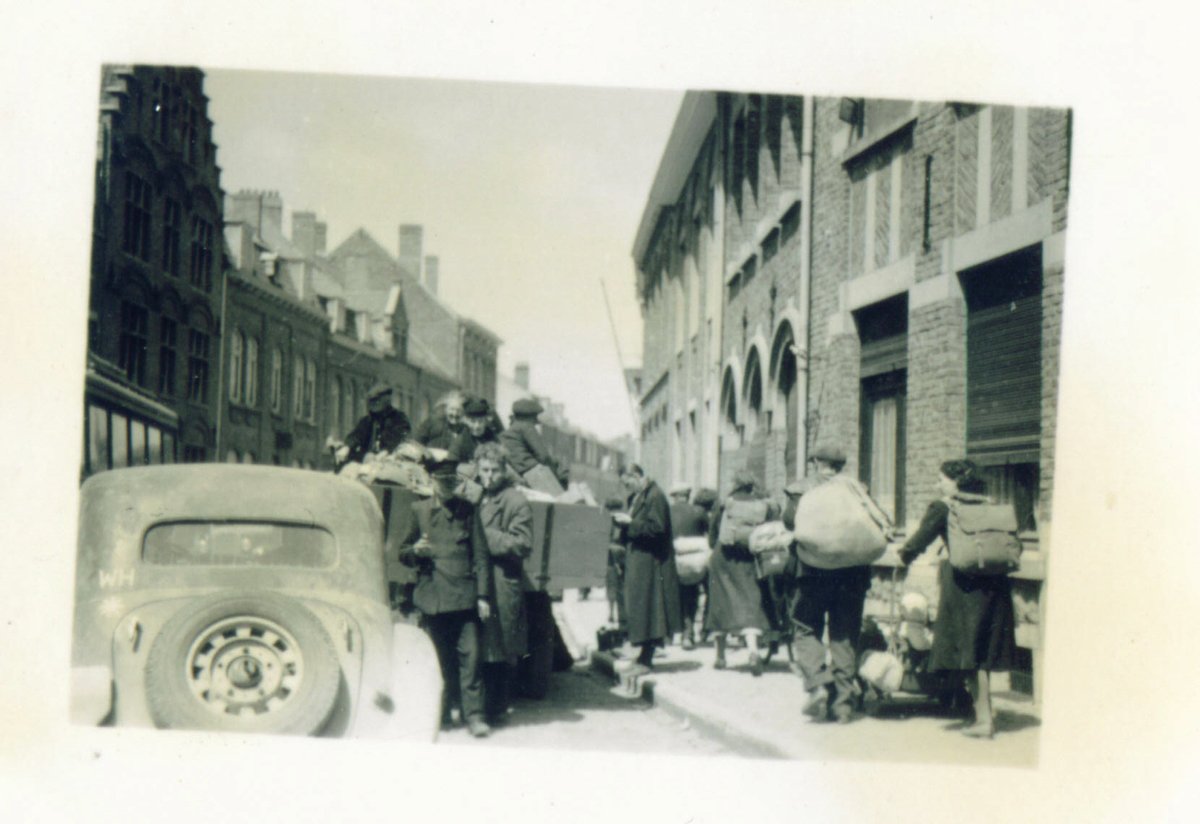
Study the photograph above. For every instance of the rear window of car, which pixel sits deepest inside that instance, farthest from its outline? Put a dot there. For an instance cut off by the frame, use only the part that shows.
(239, 543)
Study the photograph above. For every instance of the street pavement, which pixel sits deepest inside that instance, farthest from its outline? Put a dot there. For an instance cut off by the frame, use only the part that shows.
(582, 713)
(762, 716)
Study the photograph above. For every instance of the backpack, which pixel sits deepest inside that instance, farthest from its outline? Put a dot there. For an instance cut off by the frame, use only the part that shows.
(739, 520)
(982, 536)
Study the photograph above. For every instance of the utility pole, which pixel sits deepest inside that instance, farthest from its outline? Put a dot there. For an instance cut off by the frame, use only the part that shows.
(633, 403)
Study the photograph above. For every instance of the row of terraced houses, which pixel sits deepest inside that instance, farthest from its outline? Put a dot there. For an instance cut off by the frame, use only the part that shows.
(217, 333)
(884, 275)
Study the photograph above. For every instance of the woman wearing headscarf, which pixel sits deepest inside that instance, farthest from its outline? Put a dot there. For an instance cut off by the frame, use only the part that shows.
(735, 598)
(973, 634)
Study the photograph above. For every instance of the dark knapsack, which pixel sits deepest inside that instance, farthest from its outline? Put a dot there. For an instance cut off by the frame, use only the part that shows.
(982, 536)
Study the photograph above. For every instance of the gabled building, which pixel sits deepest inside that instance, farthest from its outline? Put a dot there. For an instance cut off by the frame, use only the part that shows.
(156, 276)
(439, 341)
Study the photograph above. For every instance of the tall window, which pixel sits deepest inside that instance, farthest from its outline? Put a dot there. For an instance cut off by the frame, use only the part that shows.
(335, 404)
(136, 239)
(197, 367)
(753, 137)
(201, 262)
(167, 356)
(310, 390)
(883, 368)
(172, 226)
(236, 345)
(297, 387)
(251, 393)
(1004, 377)
(348, 419)
(277, 381)
(131, 356)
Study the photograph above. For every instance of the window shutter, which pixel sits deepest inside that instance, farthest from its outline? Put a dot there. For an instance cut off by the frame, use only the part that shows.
(1004, 360)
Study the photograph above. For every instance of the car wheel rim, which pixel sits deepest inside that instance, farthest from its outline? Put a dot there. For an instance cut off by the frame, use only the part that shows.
(244, 666)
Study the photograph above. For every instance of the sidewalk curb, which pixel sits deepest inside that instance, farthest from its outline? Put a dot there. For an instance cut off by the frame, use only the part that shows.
(702, 715)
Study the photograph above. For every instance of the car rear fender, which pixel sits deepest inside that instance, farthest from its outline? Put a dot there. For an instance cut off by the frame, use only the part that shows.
(405, 704)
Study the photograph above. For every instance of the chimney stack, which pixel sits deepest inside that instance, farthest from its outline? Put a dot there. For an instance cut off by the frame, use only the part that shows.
(304, 232)
(411, 236)
(521, 375)
(431, 274)
(272, 215)
(319, 237)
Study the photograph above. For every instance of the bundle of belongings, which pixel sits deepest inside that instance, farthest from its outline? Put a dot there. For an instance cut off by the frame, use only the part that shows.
(692, 555)
(838, 525)
(904, 663)
(407, 467)
(771, 545)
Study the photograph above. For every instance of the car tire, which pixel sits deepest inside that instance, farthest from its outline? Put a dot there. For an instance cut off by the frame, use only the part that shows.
(248, 663)
(533, 677)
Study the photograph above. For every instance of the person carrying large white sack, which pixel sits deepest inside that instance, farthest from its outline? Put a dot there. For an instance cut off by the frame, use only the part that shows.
(839, 532)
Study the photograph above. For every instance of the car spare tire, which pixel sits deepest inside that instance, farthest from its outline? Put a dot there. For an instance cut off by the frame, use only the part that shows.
(246, 663)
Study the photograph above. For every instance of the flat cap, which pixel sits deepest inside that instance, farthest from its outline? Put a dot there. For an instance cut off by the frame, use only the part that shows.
(527, 408)
(830, 453)
(681, 489)
(378, 390)
(475, 407)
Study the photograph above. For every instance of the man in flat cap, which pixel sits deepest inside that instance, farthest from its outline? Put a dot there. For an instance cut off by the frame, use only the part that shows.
(447, 546)
(382, 429)
(688, 521)
(828, 600)
(479, 428)
(527, 453)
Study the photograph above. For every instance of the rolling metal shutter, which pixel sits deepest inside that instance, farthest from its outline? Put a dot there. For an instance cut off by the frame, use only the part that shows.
(1004, 359)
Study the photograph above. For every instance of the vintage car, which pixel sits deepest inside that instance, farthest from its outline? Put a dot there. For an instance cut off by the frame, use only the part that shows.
(242, 598)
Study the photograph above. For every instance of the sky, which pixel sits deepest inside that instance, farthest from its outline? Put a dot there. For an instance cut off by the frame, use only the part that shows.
(530, 196)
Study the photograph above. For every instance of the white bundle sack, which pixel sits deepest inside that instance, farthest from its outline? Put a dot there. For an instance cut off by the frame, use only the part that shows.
(838, 525)
(692, 555)
(882, 670)
(772, 536)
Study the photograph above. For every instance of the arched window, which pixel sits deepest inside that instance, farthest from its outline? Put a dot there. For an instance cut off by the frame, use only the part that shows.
(787, 386)
(236, 345)
(297, 387)
(730, 431)
(753, 391)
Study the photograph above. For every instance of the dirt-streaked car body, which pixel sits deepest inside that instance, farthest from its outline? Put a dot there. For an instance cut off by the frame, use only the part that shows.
(242, 598)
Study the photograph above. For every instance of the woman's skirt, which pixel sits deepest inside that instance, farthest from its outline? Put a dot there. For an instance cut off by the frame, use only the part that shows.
(735, 601)
(974, 629)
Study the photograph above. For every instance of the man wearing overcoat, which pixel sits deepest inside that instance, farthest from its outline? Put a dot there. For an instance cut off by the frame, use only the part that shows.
(447, 545)
(651, 580)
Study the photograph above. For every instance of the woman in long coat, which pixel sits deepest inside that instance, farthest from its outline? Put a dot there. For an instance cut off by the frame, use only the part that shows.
(508, 525)
(974, 632)
(651, 580)
(735, 596)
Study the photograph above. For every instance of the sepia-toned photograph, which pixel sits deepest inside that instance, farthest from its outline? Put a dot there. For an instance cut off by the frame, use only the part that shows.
(601, 419)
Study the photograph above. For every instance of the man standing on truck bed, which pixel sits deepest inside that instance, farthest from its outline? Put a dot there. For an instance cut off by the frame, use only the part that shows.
(447, 545)
(527, 451)
(382, 429)
(651, 580)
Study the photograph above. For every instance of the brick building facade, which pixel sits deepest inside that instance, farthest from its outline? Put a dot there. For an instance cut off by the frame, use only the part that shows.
(893, 277)
(156, 274)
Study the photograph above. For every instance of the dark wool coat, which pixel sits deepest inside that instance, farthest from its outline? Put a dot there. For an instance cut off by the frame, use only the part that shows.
(651, 581)
(525, 447)
(456, 575)
(975, 625)
(437, 433)
(507, 522)
(688, 520)
(379, 433)
(735, 595)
